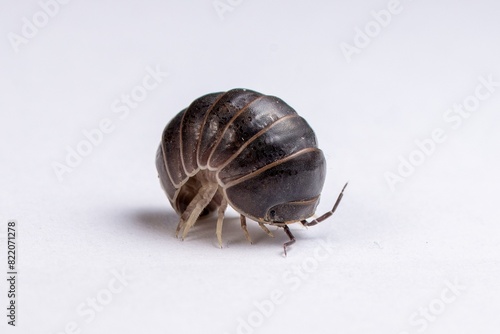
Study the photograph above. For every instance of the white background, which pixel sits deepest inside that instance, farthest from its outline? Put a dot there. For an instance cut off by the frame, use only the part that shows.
(393, 254)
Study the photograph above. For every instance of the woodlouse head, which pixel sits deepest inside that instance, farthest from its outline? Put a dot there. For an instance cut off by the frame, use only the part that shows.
(287, 192)
(292, 211)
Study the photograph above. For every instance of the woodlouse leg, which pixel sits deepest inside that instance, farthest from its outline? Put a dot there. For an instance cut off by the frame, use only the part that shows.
(269, 233)
(290, 235)
(243, 220)
(220, 220)
(328, 214)
(185, 215)
(187, 212)
(181, 223)
(194, 209)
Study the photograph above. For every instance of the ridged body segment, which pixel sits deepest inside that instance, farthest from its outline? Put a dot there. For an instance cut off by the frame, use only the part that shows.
(192, 123)
(220, 114)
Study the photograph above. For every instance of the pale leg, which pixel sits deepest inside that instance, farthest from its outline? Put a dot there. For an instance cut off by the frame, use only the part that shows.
(195, 208)
(220, 220)
(244, 227)
(269, 233)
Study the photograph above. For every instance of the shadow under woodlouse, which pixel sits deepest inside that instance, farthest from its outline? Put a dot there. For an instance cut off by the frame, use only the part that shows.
(164, 222)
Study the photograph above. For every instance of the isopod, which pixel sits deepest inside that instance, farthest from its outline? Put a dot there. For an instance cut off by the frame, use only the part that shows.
(247, 150)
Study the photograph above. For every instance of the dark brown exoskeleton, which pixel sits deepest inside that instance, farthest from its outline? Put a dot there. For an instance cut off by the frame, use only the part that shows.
(245, 149)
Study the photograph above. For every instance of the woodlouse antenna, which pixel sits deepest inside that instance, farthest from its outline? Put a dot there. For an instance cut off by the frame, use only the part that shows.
(328, 214)
(314, 222)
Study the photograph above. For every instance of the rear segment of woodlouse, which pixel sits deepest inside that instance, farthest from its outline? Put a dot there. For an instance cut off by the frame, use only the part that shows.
(244, 149)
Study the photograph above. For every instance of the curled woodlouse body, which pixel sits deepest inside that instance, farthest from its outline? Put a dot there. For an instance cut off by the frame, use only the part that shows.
(244, 149)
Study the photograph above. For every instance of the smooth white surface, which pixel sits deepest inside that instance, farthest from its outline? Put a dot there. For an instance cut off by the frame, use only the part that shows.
(391, 252)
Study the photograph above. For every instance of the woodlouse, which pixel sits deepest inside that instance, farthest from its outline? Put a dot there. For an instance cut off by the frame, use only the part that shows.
(247, 150)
